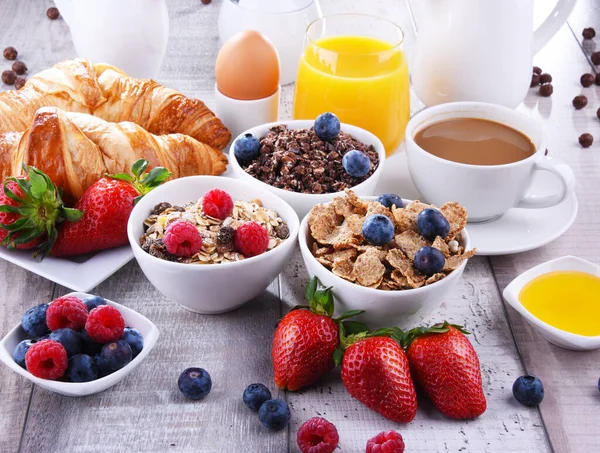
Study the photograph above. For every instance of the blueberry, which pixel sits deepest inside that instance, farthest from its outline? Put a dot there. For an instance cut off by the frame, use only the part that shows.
(34, 321)
(432, 223)
(356, 163)
(92, 302)
(429, 261)
(90, 347)
(82, 368)
(389, 200)
(599, 384)
(377, 229)
(327, 126)
(255, 395)
(134, 339)
(194, 383)
(102, 366)
(70, 339)
(21, 350)
(274, 414)
(117, 354)
(528, 390)
(246, 148)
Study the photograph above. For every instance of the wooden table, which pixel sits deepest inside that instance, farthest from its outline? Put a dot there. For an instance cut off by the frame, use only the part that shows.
(146, 412)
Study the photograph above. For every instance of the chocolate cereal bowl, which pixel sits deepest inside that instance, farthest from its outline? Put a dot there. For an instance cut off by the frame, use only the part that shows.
(218, 286)
(303, 202)
(405, 308)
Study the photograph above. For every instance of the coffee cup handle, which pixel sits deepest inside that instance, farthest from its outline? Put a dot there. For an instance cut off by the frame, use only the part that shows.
(564, 174)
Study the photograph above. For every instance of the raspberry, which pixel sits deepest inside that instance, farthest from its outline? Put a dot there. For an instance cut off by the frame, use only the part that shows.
(66, 312)
(317, 435)
(386, 442)
(182, 238)
(217, 203)
(105, 324)
(46, 359)
(251, 239)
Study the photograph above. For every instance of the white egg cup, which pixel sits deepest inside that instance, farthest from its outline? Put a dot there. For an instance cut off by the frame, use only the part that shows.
(241, 115)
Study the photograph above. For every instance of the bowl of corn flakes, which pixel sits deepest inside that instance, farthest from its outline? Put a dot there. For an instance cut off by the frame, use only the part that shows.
(397, 279)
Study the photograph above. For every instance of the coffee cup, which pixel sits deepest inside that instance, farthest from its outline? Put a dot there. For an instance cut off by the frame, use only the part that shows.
(486, 191)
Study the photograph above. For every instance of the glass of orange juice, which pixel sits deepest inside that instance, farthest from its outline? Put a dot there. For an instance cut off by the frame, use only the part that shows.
(353, 66)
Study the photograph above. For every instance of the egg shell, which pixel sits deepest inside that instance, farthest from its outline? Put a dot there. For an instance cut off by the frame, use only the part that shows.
(247, 67)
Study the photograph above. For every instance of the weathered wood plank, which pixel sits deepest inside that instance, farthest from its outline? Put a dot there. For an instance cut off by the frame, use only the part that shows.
(506, 426)
(569, 410)
(19, 290)
(146, 412)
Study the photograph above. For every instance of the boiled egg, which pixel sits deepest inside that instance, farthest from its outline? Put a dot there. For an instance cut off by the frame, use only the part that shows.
(247, 67)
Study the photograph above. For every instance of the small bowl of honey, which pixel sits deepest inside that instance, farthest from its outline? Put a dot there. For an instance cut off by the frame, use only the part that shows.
(561, 300)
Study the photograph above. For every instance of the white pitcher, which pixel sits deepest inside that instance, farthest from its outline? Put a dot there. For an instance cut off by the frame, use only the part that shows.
(131, 35)
(479, 50)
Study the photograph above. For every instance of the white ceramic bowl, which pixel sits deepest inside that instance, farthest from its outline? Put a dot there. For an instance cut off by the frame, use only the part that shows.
(405, 308)
(303, 202)
(132, 318)
(211, 288)
(556, 336)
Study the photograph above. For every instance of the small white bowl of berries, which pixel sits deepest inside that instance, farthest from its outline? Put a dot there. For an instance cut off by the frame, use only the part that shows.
(78, 344)
(210, 243)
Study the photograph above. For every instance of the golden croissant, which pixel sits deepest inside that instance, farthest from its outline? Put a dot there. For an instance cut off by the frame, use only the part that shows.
(108, 93)
(75, 150)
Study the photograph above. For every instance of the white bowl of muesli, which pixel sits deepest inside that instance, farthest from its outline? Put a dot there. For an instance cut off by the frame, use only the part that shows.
(303, 170)
(247, 235)
(382, 280)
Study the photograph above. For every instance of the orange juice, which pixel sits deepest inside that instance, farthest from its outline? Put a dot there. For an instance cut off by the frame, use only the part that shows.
(567, 300)
(363, 80)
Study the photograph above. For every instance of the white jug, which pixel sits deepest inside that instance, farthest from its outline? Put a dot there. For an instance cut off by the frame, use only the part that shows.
(284, 22)
(479, 50)
(131, 35)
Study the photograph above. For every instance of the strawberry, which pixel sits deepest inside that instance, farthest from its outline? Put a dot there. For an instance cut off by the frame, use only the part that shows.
(375, 371)
(445, 365)
(106, 207)
(30, 210)
(306, 339)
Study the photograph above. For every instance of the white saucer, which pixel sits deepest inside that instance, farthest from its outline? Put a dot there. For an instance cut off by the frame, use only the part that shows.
(519, 230)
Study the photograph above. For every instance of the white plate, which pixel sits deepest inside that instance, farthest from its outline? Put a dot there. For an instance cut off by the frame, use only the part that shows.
(78, 273)
(132, 318)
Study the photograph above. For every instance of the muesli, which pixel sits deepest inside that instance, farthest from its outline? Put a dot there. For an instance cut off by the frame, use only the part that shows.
(235, 230)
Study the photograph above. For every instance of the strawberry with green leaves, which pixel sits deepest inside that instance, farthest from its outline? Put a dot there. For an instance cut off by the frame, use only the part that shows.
(30, 210)
(376, 372)
(306, 339)
(445, 366)
(106, 207)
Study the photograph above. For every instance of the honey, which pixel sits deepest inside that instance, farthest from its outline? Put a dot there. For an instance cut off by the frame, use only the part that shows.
(567, 300)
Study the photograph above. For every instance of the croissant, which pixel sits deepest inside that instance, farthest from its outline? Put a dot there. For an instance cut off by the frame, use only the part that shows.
(108, 93)
(75, 150)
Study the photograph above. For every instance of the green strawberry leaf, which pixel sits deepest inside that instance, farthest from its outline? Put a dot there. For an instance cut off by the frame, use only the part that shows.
(9, 208)
(72, 215)
(139, 167)
(38, 184)
(349, 314)
(338, 357)
(311, 287)
(10, 194)
(123, 177)
(156, 177)
(353, 327)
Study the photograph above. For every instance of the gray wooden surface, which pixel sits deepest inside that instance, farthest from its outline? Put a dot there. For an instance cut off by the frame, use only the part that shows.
(146, 413)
